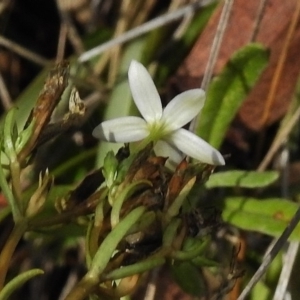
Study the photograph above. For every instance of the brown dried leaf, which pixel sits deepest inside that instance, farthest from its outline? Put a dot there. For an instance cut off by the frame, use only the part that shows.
(72, 120)
(48, 99)
(271, 32)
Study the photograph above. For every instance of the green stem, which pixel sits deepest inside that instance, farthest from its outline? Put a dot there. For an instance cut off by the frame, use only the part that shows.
(9, 195)
(15, 196)
(9, 249)
(16, 185)
(4, 212)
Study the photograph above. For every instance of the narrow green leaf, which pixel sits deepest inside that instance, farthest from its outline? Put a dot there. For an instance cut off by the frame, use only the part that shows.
(243, 179)
(195, 251)
(228, 90)
(17, 282)
(122, 197)
(175, 207)
(110, 243)
(269, 216)
(136, 268)
(202, 261)
(170, 232)
(189, 278)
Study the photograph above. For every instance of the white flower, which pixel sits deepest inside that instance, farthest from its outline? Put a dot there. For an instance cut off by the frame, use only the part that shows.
(162, 126)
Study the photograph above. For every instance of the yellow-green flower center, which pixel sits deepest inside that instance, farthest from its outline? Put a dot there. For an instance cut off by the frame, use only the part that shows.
(157, 131)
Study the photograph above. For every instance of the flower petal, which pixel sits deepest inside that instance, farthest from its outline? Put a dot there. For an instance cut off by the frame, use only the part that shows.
(183, 108)
(195, 147)
(122, 130)
(163, 148)
(144, 92)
